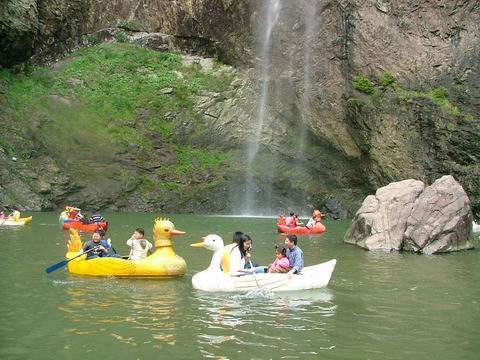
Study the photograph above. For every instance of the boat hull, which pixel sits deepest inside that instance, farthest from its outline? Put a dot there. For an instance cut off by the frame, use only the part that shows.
(19, 222)
(154, 266)
(78, 225)
(301, 230)
(311, 277)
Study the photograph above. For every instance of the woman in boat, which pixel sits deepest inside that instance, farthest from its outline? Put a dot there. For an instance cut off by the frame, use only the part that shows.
(315, 219)
(227, 252)
(244, 248)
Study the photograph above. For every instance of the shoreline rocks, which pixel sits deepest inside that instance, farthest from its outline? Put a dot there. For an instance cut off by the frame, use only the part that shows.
(407, 215)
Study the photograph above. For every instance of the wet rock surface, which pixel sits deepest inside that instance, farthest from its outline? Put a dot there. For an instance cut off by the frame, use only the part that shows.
(406, 215)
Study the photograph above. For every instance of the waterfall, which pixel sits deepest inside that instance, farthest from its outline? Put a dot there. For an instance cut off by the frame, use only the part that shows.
(272, 10)
(310, 10)
(281, 59)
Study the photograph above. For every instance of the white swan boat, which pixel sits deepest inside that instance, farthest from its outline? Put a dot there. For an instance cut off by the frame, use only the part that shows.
(215, 280)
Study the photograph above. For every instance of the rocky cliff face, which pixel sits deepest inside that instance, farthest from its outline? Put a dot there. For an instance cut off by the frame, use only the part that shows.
(378, 91)
(44, 29)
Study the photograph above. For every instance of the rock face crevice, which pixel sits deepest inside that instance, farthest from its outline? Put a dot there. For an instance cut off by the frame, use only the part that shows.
(406, 215)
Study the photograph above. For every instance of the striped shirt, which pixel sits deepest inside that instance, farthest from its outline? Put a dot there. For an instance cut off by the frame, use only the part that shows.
(96, 218)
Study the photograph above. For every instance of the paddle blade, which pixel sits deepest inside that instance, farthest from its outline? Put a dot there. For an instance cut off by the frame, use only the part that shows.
(56, 266)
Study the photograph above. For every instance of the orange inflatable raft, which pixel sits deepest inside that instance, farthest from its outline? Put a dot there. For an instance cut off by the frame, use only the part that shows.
(299, 230)
(78, 225)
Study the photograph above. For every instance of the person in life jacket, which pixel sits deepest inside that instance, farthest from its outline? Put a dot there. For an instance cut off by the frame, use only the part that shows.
(315, 219)
(291, 221)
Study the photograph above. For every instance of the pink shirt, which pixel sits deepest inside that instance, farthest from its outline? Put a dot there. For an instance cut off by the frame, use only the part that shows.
(280, 263)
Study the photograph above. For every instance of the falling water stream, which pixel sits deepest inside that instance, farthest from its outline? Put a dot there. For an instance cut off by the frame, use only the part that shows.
(272, 14)
(280, 59)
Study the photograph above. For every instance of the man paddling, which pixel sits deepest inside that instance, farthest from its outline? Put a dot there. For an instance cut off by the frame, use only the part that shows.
(294, 255)
(97, 247)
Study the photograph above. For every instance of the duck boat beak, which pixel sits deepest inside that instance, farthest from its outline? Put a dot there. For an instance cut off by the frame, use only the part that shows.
(177, 232)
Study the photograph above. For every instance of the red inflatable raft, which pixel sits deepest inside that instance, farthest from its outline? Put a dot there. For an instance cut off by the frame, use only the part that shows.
(67, 225)
(299, 230)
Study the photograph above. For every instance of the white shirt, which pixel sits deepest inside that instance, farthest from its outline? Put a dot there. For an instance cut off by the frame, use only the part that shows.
(312, 222)
(139, 252)
(236, 261)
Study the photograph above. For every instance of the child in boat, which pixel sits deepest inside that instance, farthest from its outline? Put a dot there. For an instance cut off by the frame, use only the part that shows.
(2, 215)
(139, 245)
(96, 247)
(281, 263)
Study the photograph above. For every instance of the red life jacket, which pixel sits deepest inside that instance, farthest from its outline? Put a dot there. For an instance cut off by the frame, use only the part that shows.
(290, 221)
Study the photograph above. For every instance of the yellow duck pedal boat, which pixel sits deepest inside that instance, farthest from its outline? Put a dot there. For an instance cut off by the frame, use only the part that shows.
(162, 263)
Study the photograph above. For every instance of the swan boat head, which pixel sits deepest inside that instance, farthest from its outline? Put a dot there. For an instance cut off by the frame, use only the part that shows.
(213, 243)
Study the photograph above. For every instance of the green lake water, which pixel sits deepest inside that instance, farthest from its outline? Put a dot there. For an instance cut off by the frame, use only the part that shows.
(377, 305)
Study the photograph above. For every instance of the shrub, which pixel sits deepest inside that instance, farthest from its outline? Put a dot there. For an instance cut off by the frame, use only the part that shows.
(363, 84)
(440, 93)
(121, 37)
(388, 79)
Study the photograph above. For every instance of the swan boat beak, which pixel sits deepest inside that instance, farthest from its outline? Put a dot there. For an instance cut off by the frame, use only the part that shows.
(199, 245)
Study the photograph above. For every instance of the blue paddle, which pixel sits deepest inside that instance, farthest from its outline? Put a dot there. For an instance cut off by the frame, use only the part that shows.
(65, 262)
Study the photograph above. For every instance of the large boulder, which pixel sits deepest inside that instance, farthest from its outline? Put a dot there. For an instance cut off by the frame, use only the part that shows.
(406, 215)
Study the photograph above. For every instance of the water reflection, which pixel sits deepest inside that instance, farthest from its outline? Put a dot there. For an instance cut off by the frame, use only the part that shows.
(232, 321)
(130, 311)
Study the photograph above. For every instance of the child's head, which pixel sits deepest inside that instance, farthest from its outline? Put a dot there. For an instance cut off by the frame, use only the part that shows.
(96, 236)
(280, 251)
(139, 233)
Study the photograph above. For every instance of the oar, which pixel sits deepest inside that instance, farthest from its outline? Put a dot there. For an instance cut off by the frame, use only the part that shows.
(65, 262)
(253, 270)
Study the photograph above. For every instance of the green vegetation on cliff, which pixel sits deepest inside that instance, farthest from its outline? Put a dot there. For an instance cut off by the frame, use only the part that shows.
(112, 111)
(431, 134)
